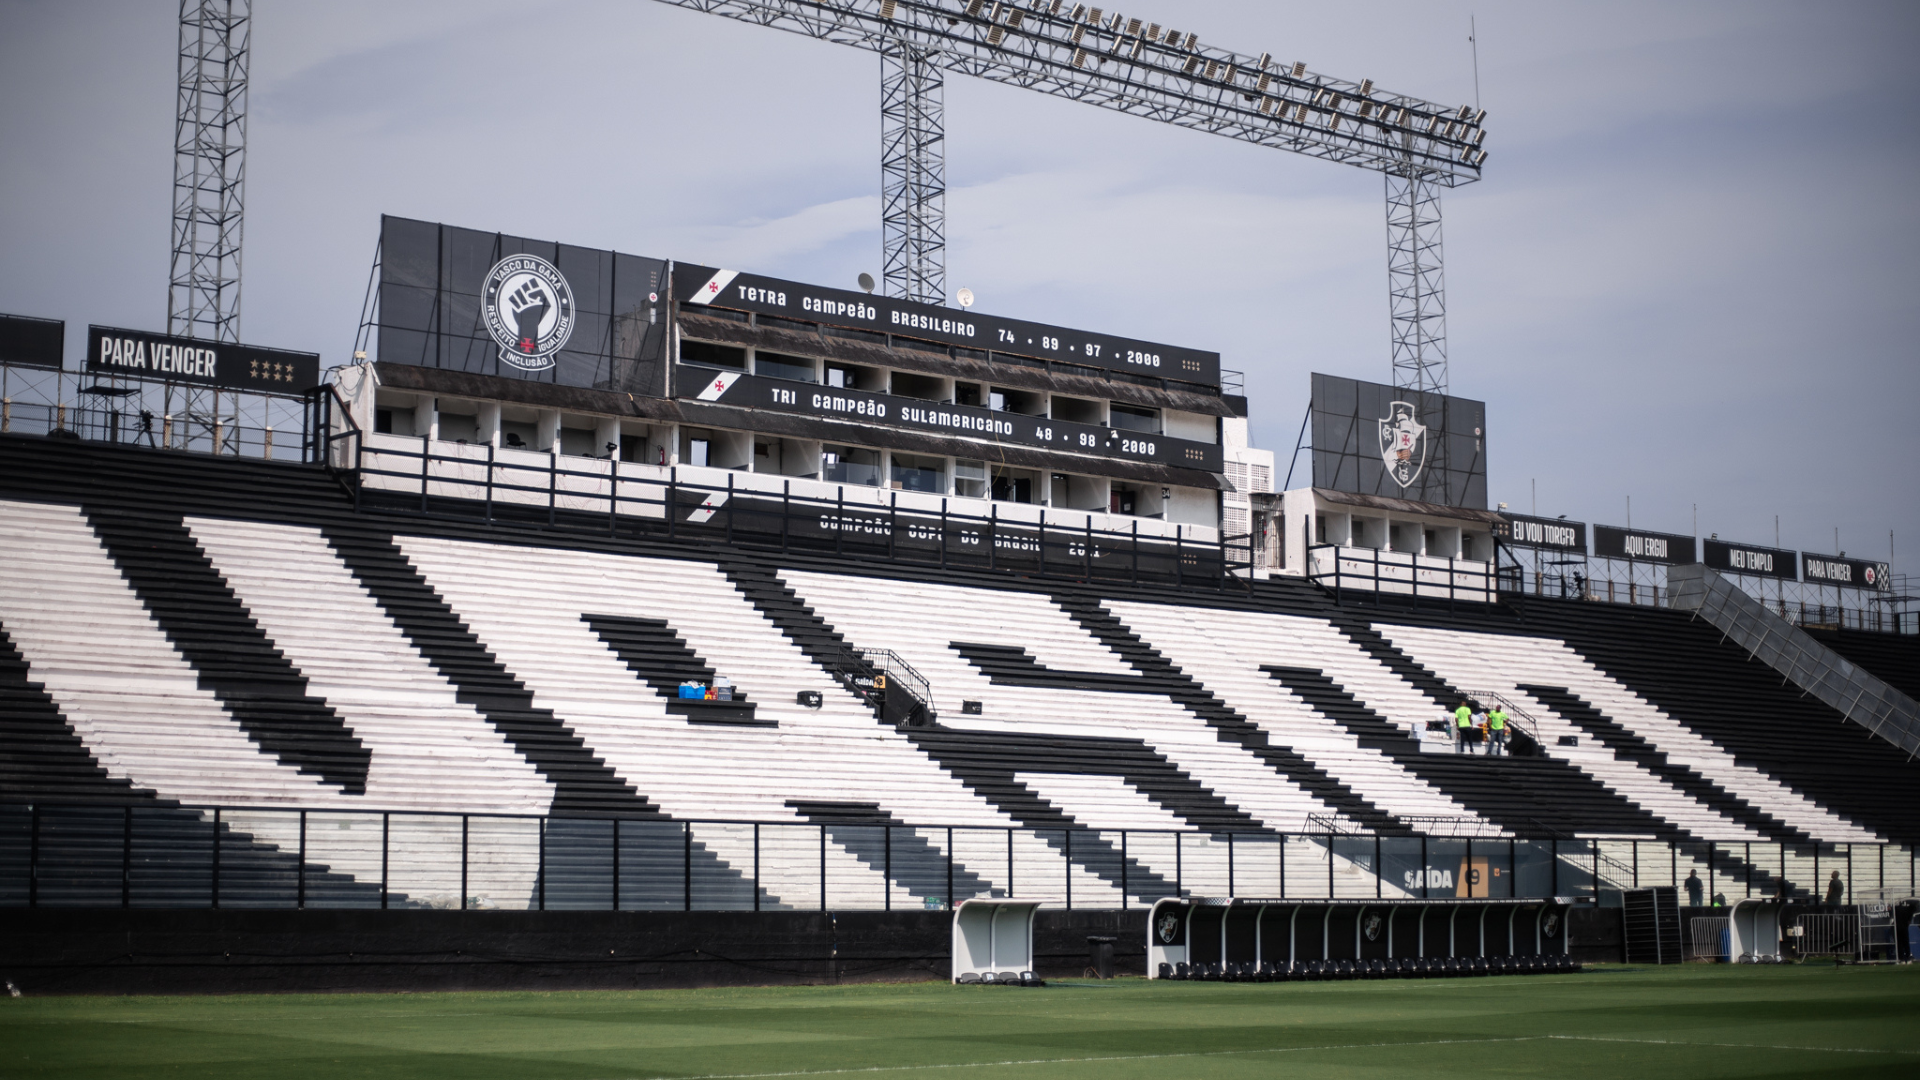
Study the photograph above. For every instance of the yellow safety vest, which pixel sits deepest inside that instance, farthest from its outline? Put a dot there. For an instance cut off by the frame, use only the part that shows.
(1463, 716)
(1497, 720)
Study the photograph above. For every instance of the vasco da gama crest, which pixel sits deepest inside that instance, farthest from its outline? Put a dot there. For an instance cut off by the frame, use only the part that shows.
(1403, 443)
(1168, 928)
(528, 308)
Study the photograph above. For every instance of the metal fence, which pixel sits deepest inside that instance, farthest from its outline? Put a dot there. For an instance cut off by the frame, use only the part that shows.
(1617, 581)
(64, 855)
(1398, 573)
(295, 428)
(1707, 938)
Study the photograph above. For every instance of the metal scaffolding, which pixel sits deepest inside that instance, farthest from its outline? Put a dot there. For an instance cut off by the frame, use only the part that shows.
(1107, 59)
(209, 169)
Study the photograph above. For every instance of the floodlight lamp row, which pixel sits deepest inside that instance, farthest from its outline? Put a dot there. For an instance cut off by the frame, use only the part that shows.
(1286, 93)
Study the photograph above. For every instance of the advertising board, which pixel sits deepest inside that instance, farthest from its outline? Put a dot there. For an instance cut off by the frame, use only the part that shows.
(495, 304)
(1850, 573)
(1372, 439)
(1555, 534)
(29, 342)
(1748, 559)
(700, 286)
(197, 362)
(941, 418)
(1641, 545)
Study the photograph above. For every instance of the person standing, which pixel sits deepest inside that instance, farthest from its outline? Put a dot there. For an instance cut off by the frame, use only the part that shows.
(1463, 729)
(1694, 888)
(1496, 730)
(1836, 892)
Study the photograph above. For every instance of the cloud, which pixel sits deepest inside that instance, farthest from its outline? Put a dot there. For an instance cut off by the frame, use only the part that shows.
(1687, 274)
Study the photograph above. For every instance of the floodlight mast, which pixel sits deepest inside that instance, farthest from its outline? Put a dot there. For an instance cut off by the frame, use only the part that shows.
(913, 175)
(209, 168)
(1106, 59)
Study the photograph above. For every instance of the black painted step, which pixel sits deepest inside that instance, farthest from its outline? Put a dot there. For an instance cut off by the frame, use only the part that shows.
(584, 784)
(232, 658)
(1627, 746)
(1531, 796)
(41, 757)
(1228, 725)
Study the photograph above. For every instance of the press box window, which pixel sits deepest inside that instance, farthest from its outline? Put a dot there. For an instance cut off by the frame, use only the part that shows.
(970, 479)
(709, 355)
(850, 465)
(1134, 419)
(696, 447)
(1011, 486)
(854, 377)
(780, 366)
(911, 473)
(924, 387)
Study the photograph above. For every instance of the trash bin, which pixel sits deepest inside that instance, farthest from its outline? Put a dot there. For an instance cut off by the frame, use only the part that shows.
(1100, 956)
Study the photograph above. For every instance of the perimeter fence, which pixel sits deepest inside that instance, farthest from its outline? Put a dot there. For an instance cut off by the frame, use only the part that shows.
(64, 855)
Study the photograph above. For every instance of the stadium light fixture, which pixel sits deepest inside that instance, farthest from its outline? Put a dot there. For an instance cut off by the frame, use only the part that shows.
(1099, 57)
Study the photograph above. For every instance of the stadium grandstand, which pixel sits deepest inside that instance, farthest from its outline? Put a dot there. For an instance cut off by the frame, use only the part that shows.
(771, 622)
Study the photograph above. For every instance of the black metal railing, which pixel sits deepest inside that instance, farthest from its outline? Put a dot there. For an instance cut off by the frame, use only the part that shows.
(1382, 574)
(107, 856)
(616, 498)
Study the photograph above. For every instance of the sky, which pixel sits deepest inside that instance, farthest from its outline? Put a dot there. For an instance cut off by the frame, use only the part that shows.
(1687, 279)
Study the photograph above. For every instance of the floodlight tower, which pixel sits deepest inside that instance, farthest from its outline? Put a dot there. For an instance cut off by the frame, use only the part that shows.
(1107, 59)
(913, 174)
(209, 169)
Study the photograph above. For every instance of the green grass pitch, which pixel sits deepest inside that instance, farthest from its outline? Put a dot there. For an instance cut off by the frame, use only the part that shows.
(1696, 1022)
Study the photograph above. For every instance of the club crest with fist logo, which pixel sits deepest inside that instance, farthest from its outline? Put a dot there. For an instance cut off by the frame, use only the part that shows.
(528, 308)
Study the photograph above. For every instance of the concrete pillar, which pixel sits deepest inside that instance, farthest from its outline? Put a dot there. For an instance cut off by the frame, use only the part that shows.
(549, 430)
(606, 431)
(489, 422)
(426, 418)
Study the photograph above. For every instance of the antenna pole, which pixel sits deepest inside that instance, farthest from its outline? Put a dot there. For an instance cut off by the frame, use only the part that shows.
(1473, 38)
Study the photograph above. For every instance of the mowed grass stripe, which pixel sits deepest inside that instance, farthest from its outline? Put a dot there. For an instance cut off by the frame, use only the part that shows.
(1698, 1022)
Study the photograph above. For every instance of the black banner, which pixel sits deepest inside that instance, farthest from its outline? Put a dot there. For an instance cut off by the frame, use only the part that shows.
(1372, 439)
(509, 306)
(1640, 545)
(700, 285)
(1849, 573)
(29, 342)
(1749, 560)
(1557, 534)
(939, 418)
(136, 353)
(951, 541)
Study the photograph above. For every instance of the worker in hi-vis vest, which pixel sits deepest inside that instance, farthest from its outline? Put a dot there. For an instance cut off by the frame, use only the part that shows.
(1463, 729)
(1496, 730)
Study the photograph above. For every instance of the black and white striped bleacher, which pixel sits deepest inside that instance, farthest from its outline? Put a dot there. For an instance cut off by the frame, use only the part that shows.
(180, 633)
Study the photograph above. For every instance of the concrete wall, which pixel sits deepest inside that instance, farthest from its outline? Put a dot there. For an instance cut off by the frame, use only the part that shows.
(227, 951)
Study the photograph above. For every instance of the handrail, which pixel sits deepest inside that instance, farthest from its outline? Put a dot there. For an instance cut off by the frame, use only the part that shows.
(1520, 719)
(896, 667)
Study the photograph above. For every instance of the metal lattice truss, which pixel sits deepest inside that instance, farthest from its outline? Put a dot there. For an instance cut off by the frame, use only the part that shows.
(1415, 286)
(209, 169)
(913, 174)
(1107, 59)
